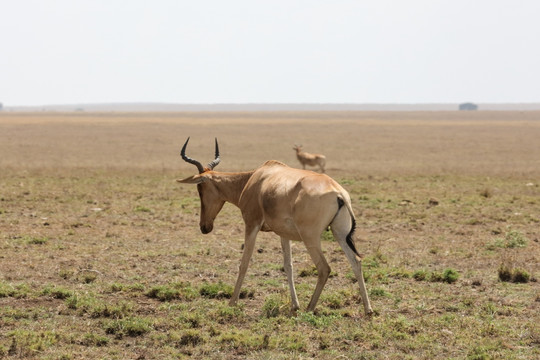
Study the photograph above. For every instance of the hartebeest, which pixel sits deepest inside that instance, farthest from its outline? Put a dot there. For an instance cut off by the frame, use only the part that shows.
(295, 204)
(309, 159)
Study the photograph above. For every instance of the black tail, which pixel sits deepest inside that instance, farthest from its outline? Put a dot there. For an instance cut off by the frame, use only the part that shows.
(350, 240)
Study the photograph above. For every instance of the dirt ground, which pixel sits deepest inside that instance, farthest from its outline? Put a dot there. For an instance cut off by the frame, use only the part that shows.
(101, 255)
(481, 143)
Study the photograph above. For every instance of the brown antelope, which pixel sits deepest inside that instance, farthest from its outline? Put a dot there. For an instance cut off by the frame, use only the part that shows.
(309, 159)
(295, 204)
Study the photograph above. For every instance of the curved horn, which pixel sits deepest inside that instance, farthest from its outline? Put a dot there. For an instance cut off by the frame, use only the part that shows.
(189, 160)
(216, 161)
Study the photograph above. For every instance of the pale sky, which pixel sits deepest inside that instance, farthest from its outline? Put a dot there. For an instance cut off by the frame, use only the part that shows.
(275, 51)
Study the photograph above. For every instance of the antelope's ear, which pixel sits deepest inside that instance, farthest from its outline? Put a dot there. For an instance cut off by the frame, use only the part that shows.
(195, 179)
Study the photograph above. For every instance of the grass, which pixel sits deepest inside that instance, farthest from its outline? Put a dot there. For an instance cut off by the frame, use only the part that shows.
(178, 291)
(448, 276)
(137, 279)
(159, 281)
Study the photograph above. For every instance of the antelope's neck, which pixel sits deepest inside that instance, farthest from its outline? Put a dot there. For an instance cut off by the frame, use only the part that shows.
(231, 185)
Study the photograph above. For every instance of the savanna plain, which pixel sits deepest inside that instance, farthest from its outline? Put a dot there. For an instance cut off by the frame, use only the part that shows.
(101, 256)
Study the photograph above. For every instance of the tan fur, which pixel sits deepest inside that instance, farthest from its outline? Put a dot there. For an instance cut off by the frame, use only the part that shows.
(295, 204)
(309, 159)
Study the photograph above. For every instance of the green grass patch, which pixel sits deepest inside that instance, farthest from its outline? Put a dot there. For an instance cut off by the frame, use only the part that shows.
(319, 321)
(218, 290)
(143, 209)
(244, 340)
(36, 240)
(18, 291)
(190, 337)
(223, 313)
(379, 292)
(96, 308)
(56, 292)
(132, 326)
(273, 306)
(512, 239)
(27, 343)
(449, 276)
(173, 291)
(92, 339)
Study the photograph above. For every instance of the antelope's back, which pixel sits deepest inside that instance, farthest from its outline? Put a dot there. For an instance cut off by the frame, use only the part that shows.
(274, 175)
(279, 190)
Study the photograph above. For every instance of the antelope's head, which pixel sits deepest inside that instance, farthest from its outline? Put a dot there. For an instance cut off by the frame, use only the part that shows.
(211, 201)
(297, 148)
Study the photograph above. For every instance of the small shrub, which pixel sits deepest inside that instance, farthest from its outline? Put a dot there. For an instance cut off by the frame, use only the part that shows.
(505, 273)
(520, 276)
(516, 275)
(450, 276)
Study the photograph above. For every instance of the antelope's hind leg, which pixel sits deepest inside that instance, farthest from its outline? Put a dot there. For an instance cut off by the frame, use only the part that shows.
(339, 230)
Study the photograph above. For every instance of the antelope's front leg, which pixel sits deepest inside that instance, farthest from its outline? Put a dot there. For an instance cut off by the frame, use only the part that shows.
(287, 265)
(249, 245)
(323, 270)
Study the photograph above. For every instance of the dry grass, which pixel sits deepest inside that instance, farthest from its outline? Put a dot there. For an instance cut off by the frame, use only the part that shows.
(363, 143)
(101, 256)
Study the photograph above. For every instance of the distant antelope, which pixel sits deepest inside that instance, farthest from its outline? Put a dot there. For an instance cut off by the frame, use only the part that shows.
(295, 204)
(309, 159)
